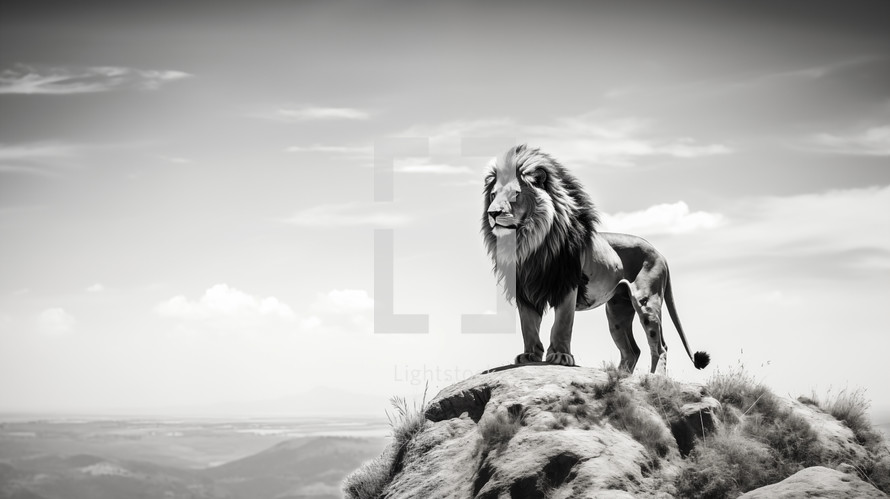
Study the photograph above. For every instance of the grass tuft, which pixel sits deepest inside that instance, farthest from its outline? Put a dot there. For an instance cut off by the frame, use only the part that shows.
(738, 388)
(371, 479)
(851, 407)
(763, 442)
(499, 428)
(726, 464)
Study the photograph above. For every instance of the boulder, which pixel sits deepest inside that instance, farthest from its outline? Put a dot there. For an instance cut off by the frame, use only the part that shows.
(815, 482)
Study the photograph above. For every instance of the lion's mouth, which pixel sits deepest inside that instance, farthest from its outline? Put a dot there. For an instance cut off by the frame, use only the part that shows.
(504, 222)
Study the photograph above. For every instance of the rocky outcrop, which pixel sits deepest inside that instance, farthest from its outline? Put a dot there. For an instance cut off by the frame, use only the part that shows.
(543, 431)
(815, 482)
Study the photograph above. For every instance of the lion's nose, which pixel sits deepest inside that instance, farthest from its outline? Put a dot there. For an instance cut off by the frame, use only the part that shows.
(495, 213)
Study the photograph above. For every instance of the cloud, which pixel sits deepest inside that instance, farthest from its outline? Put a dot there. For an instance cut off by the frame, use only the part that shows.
(56, 322)
(176, 160)
(588, 138)
(342, 311)
(486, 127)
(95, 288)
(345, 301)
(424, 166)
(346, 215)
(34, 151)
(873, 141)
(34, 159)
(756, 81)
(593, 138)
(835, 235)
(794, 76)
(673, 218)
(224, 306)
(356, 150)
(30, 80)
(312, 113)
(832, 221)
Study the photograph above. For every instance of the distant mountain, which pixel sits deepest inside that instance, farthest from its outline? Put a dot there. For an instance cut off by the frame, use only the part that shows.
(93, 477)
(320, 401)
(310, 467)
(302, 468)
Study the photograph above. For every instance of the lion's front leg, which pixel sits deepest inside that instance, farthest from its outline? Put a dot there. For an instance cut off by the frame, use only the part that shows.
(560, 350)
(530, 320)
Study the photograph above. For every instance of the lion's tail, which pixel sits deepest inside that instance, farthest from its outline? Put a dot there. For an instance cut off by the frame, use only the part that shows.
(701, 359)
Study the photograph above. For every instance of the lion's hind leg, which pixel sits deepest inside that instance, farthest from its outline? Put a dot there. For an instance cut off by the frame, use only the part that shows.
(620, 312)
(650, 317)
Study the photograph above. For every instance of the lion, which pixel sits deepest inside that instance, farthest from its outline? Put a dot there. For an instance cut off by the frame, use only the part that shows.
(539, 223)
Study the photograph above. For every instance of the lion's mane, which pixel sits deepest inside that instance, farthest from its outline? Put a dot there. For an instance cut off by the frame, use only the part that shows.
(552, 236)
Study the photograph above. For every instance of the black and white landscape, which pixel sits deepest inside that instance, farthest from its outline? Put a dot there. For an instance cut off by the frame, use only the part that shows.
(185, 458)
(209, 211)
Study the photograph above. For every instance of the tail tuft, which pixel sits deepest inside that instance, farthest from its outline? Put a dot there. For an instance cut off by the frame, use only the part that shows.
(701, 360)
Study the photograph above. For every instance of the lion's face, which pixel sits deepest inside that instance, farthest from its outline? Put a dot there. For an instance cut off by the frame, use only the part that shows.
(518, 200)
(510, 201)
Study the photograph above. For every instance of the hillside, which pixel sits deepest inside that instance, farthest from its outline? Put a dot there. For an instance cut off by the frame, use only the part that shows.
(541, 431)
(311, 467)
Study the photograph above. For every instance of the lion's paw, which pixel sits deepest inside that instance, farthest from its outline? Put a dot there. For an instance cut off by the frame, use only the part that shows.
(525, 358)
(560, 358)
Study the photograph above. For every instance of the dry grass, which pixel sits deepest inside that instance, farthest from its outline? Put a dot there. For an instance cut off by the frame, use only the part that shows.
(764, 442)
(725, 465)
(371, 479)
(624, 414)
(739, 389)
(406, 421)
(851, 407)
(498, 429)
(790, 438)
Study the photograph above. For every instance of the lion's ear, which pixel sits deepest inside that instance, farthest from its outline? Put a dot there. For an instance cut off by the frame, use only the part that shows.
(540, 177)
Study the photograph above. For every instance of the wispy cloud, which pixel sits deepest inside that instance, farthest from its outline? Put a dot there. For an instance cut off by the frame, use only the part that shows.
(426, 166)
(343, 301)
(840, 232)
(837, 220)
(873, 141)
(345, 215)
(763, 79)
(176, 160)
(56, 322)
(328, 149)
(31, 80)
(313, 113)
(225, 306)
(95, 288)
(588, 138)
(598, 139)
(798, 74)
(673, 218)
(34, 159)
(341, 310)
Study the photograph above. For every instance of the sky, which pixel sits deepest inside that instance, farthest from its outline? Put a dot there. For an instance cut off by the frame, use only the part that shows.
(188, 208)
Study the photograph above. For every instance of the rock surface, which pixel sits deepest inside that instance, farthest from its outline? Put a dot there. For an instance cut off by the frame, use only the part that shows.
(817, 482)
(544, 431)
(541, 431)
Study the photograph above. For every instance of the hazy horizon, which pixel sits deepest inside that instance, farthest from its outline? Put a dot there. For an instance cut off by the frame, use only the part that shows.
(187, 206)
